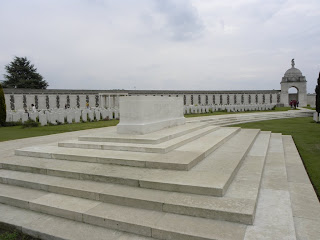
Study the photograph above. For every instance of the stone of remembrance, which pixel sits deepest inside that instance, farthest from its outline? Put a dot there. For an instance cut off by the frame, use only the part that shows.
(146, 114)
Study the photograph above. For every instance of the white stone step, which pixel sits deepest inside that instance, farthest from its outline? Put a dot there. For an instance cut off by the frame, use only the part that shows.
(147, 223)
(239, 205)
(182, 158)
(163, 147)
(213, 179)
(246, 184)
(157, 137)
(44, 226)
(229, 209)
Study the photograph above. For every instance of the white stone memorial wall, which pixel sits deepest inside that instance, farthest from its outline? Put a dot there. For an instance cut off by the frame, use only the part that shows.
(73, 101)
(82, 99)
(52, 101)
(7, 99)
(30, 100)
(41, 102)
(18, 102)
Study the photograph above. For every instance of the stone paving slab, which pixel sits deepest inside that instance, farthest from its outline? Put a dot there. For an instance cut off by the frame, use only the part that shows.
(307, 229)
(305, 203)
(275, 171)
(273, 217)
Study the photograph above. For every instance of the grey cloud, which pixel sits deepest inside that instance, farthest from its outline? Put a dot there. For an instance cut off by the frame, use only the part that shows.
(182, 19)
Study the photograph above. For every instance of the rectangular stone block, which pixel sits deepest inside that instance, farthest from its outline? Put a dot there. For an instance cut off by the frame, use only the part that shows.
(146, 114)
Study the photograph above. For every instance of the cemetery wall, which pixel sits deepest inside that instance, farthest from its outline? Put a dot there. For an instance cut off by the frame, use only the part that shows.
(58, 98)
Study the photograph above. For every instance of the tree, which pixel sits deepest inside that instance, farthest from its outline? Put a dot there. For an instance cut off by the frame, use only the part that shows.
(318, 97)
(22, 74)
(3, 113)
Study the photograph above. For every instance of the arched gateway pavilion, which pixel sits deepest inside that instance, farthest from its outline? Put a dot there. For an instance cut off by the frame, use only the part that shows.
(293, 78)
(57, 98)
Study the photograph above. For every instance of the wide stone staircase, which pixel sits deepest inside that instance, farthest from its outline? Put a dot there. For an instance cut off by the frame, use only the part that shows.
(197, 181)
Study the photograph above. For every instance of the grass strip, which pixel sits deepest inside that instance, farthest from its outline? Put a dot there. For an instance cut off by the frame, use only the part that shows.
(17, 132)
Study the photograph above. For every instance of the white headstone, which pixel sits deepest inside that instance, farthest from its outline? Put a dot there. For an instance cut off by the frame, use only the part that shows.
(25, 117)
(33, 116)
(43, 119)
(53, 118)
(110, 111)
(84, 116)
(77, 115)
(70, 117)
(90, 115)
(97, 114)
(61, 118)
(104, 114)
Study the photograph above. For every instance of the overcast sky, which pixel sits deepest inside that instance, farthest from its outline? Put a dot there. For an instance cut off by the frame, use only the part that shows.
(163, 44)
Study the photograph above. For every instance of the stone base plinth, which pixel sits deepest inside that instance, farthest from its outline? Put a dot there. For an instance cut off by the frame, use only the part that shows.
(146, 114)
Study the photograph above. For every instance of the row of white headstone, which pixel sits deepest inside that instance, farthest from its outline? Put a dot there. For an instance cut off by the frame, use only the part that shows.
(70, 115)
(62, 116)
(229, 108)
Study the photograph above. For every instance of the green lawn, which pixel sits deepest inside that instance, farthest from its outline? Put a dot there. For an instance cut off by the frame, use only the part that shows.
(225, 112)
(8, 234)
(311, 108)
(306, 135)
(17, 132)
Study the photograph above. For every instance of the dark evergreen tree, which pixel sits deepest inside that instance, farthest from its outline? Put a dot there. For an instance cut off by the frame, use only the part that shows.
(318, 95)
(22, 74)
(3, 113)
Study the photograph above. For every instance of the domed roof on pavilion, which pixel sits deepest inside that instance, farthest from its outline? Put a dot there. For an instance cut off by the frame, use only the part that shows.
(293, 74)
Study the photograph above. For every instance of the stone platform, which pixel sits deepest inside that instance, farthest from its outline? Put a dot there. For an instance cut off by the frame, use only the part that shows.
(197, 181)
